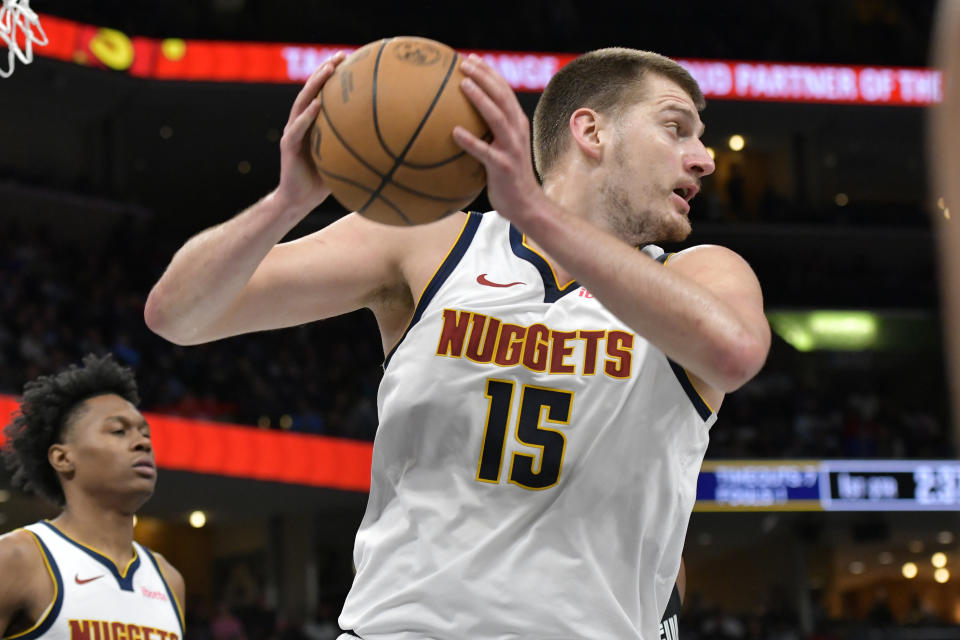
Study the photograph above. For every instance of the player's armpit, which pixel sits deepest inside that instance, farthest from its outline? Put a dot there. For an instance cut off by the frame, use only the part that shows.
(24, 597)
(728, 276)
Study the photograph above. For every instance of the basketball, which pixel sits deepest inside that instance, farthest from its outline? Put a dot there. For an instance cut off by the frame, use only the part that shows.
(383, 139)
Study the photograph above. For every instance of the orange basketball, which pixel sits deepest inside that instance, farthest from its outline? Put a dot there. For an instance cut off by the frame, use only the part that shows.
(383, 140)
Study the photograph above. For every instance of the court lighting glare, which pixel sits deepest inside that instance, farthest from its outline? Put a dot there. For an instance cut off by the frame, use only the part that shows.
(941, 575)
(711, 153)
(198, 519)
(909, 570)
(945, 537)
(939, 560)
(736, 142)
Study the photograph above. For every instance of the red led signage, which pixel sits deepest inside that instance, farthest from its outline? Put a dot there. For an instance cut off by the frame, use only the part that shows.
(212, 61)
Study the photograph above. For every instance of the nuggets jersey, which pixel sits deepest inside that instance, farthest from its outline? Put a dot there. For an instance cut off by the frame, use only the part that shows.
(95, 600)
(535, 465)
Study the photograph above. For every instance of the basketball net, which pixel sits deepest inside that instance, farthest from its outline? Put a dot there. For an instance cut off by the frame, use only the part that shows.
(17, 15)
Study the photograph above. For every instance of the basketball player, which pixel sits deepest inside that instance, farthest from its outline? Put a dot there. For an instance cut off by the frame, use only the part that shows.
(550, 374)
(79, 441)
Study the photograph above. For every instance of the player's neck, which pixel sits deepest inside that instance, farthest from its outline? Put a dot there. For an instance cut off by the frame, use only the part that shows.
(565, 191)
(105, 529)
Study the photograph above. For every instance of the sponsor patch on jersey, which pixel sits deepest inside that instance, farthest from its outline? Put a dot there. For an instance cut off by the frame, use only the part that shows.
(153, 595)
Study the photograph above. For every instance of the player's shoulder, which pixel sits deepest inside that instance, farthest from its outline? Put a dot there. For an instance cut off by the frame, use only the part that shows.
(20, 555)
(713, 258)
(707, 252)
(165, 565)
(33, 588)
(170, 573)
(430, 243)
(19, 552)
(394, 240)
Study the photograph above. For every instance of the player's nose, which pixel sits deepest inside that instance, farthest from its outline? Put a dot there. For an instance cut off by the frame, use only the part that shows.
(698, 160)
(142, 443)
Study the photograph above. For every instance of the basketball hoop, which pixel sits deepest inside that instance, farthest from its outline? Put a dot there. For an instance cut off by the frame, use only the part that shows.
(14, 15)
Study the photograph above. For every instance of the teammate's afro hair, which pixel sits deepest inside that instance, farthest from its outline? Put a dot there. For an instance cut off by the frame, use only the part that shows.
(48, 407)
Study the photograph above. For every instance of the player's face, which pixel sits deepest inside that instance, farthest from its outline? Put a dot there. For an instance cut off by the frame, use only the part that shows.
(655, 165)
(110, 450)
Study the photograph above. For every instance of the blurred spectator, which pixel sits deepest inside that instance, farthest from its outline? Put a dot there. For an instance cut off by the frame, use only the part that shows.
(226, 626)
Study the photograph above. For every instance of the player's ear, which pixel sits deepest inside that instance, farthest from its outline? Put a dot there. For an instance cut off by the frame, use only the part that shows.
(585, 130)
(60, 457)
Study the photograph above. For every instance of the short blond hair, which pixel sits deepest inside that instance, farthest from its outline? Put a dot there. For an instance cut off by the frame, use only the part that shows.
(605, 80)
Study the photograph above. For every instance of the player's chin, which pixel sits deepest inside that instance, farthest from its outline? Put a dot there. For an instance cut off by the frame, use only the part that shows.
(143, 486)
(677, 228)
(141, 495)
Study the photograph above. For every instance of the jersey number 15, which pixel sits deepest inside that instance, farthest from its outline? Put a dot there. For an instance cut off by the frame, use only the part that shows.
(540, 471)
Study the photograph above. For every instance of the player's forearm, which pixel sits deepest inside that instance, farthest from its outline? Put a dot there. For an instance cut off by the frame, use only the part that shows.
(208, 274)
(690, 324)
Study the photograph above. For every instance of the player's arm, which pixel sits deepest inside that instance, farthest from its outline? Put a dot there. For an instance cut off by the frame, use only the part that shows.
(345, 266)
(705, 311)
(173, 578)
(235, 277)
(682, 580)
(26, 588)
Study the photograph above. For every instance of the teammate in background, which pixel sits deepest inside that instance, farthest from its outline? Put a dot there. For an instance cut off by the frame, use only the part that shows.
(670, 623)
(944, 147)
(550, 376)
(79, 441)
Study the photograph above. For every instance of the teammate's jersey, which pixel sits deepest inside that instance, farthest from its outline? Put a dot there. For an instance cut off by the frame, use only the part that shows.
(669, 623)
(536, 462)
(95, 600)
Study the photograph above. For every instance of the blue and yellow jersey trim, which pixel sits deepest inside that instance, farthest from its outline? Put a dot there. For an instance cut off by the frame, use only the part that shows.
(177, 607)
(699, 402)
(552, 289)
(664, 257)
(124, 578)
(50, 615)
(459, 248)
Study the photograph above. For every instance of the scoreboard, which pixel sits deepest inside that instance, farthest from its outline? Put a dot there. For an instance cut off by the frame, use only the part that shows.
(829, 485)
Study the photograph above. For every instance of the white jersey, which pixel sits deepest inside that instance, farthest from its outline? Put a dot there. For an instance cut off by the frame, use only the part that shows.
(536, 461)
(95, 600)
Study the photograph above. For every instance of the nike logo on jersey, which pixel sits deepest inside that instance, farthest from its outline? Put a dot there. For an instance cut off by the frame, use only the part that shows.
(482, 279)
(76, 577)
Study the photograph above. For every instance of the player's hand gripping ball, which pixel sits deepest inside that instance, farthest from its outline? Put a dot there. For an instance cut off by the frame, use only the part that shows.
(383, 139)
